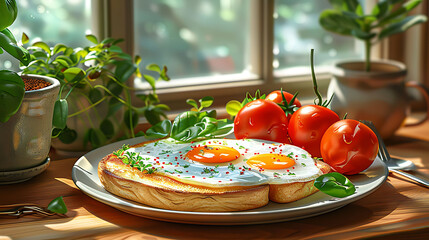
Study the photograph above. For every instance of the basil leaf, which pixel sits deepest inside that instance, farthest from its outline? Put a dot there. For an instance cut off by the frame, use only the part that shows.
(159, 130)
(335, 184)
(182, 122)
(57, 206)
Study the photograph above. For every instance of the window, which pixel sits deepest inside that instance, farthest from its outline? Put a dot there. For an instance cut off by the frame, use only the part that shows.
(51, 21)
(225, 48)
(219, 48)
(296, 31)
(194, 38)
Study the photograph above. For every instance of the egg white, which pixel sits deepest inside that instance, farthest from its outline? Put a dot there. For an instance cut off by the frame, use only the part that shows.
(169, 158)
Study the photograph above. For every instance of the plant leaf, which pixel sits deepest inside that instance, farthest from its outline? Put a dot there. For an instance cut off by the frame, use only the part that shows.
(233, 107)
(7, 42)
(124, 70)
(152, 115)
(153, 67)
(95, 95)
(192, 102)
(159, 130)
(106, 126)
(337, 22)
(206, 102)
(57, 206)
(24, 38)
(399, 12)
(59, 48)
(114, 106)
(137, 59)
(67, 135)
(114, 87)
(96, 137)
(402, 26)
(184, 121)
(362, 35)
(92, 38)
(59, 119)
(61, 62)
(74, 75)
(131, 119)
(12, 90)
(43, 46)
(149, 79)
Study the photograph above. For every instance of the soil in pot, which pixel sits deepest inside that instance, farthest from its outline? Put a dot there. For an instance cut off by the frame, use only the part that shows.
(34, 84)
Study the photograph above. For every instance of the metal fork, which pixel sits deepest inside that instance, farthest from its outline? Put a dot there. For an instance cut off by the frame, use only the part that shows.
(19, 210)
(392, 163)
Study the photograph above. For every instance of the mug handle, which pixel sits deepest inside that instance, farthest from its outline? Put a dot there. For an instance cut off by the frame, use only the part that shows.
(425, 92)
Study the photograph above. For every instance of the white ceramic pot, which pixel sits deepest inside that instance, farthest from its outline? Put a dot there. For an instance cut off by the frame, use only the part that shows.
(26, 137)
(83, 122)
(379, 95)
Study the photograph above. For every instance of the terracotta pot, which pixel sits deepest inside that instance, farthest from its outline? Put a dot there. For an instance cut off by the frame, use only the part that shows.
(379, 96)
(26, 137)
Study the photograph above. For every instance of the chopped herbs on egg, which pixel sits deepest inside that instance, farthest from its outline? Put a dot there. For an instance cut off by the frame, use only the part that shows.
(165, 152)
(231, 167)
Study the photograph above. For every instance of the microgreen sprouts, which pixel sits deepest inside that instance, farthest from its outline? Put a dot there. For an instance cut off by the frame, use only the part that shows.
(134, 159)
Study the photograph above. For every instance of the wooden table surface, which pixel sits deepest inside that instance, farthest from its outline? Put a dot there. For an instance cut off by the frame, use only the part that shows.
(399, 209)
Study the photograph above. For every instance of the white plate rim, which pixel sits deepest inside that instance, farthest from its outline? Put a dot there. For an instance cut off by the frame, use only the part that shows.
(256, 216)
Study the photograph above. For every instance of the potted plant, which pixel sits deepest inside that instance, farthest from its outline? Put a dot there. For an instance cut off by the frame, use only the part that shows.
(27, 103)
(371, 90)
(95, 105)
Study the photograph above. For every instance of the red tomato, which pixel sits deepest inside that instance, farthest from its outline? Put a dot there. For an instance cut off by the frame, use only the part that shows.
(276, 96)
(307, 126)
(349, 146)
(261, 119)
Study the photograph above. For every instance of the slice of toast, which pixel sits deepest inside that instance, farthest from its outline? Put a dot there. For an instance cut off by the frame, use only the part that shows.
(161, 191)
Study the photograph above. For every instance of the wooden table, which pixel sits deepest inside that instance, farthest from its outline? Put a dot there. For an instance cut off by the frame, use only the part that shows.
(399, 209)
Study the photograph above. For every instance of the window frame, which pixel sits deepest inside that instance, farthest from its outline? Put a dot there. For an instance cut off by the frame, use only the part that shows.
(118, 16)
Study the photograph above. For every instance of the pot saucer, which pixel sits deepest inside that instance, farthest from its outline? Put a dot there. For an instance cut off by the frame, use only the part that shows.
(17, 176)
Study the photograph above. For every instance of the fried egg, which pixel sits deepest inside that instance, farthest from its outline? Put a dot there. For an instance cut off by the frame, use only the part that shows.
(229, 162)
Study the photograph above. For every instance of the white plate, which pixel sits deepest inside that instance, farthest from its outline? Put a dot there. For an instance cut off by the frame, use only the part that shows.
(84, 174)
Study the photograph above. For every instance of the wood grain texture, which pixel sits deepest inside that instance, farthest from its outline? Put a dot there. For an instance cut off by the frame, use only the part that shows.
(399, 209)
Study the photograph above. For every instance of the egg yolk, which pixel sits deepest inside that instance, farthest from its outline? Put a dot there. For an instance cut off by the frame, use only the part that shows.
(270, 161)
(213, 154)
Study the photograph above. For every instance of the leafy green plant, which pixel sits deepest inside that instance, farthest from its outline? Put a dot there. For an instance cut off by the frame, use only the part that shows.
(193, 125)
(388, 17)
(12, 88)
(99, 73)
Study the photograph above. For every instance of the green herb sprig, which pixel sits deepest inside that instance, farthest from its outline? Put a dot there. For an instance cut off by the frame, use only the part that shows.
(193, 125)
(133, 159)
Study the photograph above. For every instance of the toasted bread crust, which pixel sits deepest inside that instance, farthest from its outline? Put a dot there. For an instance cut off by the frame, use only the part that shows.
(164, 192)
(289, 192)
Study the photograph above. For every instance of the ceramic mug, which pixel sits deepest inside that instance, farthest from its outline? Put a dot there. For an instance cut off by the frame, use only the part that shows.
(379, 96)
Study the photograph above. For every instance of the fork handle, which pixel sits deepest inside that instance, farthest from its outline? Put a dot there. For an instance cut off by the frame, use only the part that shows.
(417, 179)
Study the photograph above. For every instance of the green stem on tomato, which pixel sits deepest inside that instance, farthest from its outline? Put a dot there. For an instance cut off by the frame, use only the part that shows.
(315, 87)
